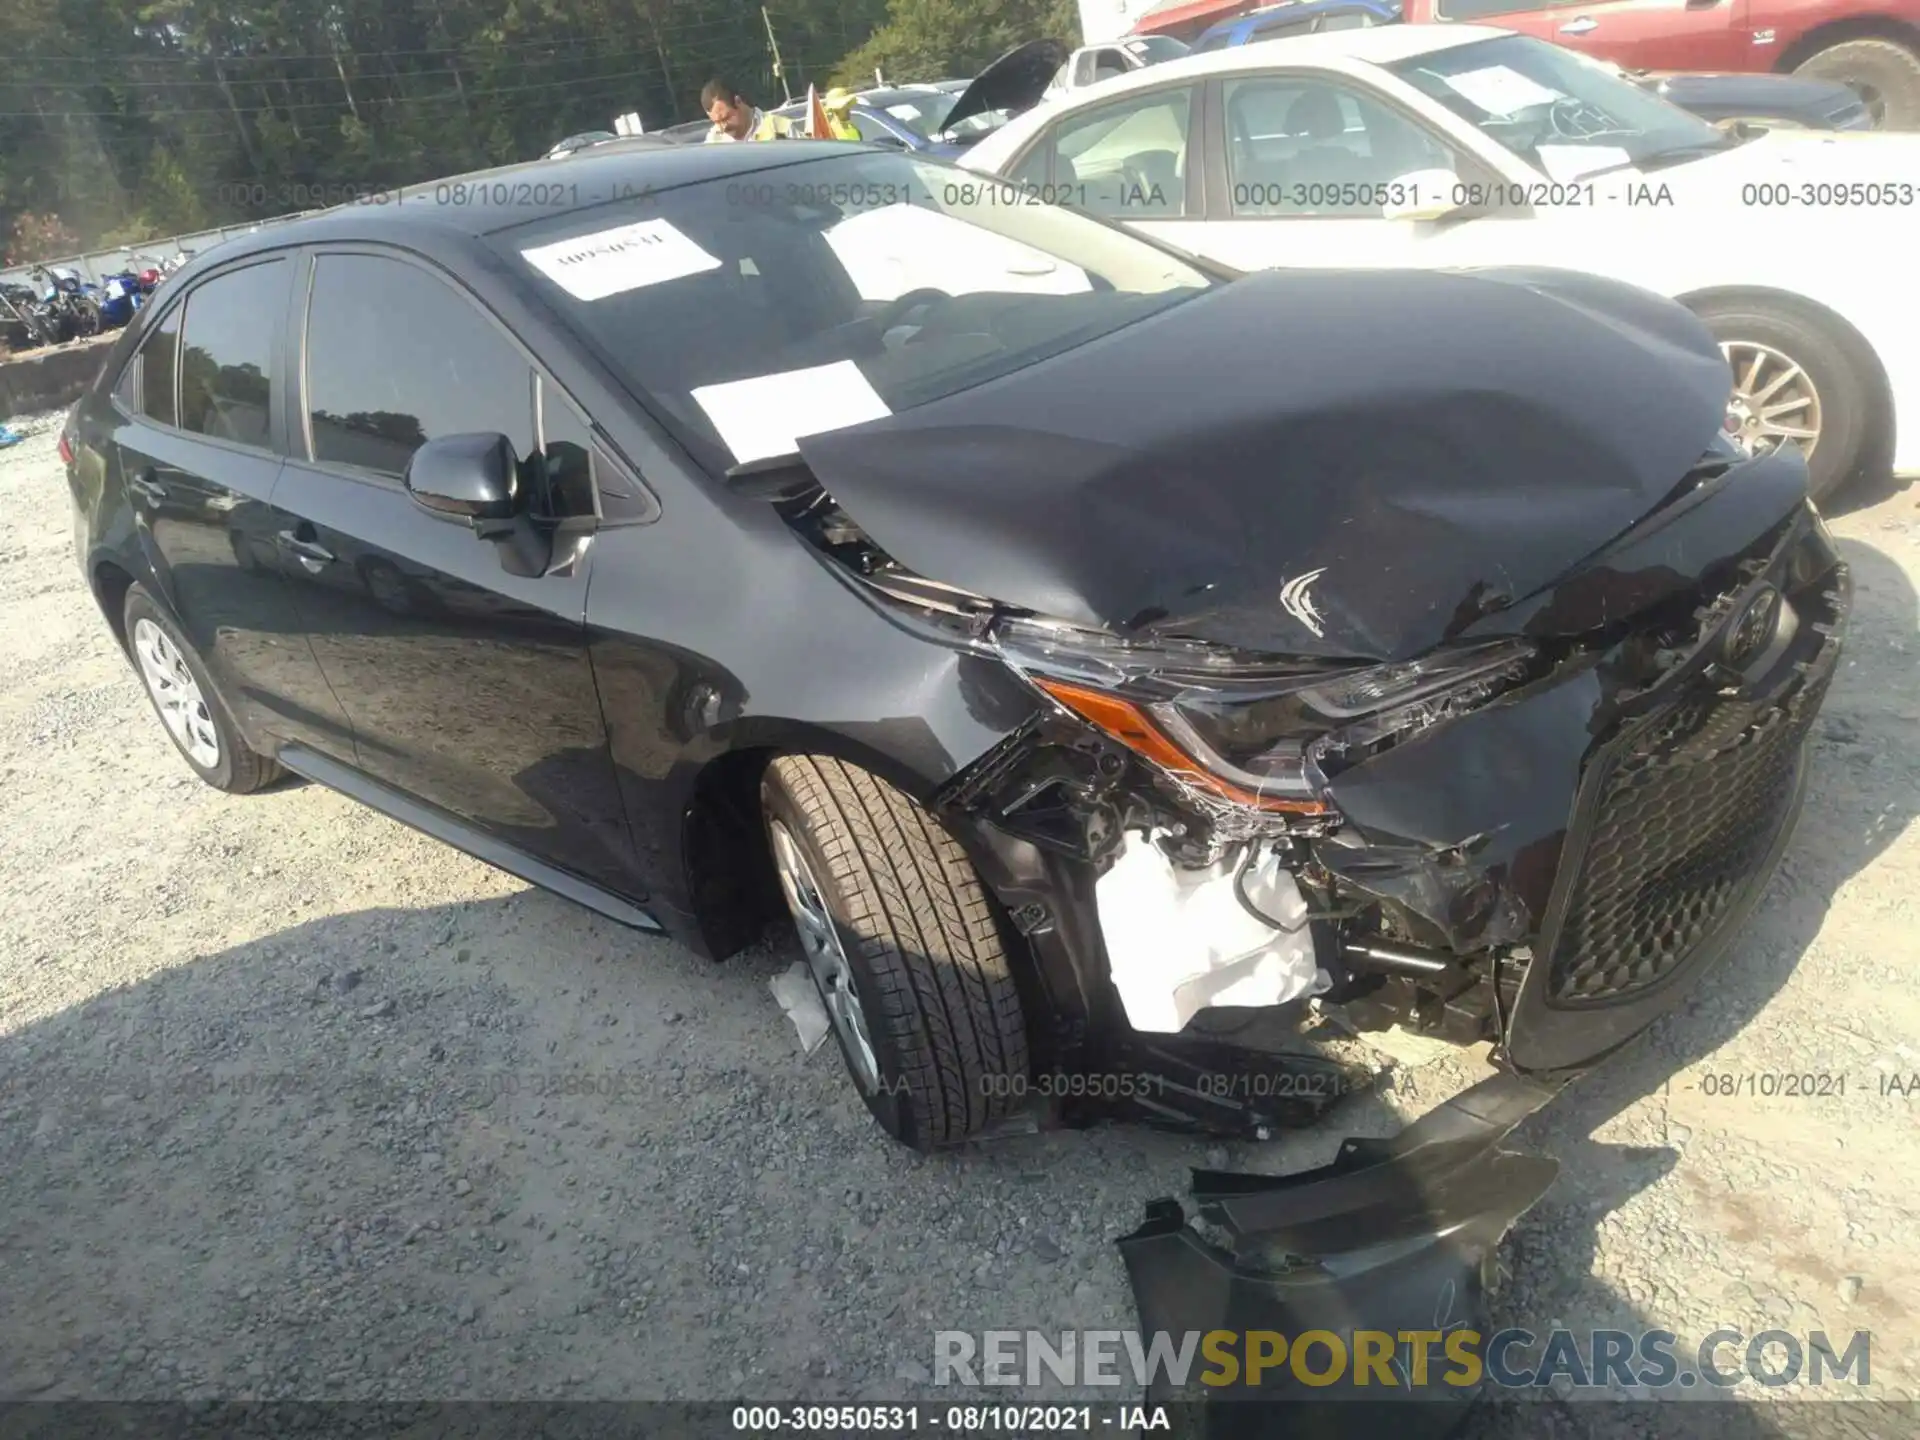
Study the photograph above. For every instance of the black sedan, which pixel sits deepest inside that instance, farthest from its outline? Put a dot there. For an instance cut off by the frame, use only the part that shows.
(1082, 646)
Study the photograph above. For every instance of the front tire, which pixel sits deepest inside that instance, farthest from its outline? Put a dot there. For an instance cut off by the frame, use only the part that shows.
(1883, 73)
(1793, 376)
(905, 946)
(190, 708)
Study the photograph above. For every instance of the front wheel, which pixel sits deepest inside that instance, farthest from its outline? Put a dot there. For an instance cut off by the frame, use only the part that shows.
(905, 947)
(1795, 386)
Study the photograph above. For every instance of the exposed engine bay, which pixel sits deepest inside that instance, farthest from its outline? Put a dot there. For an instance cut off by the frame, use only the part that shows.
(1526, 836)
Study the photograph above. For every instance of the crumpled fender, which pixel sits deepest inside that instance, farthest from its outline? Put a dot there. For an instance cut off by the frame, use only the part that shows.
(1393, 1236)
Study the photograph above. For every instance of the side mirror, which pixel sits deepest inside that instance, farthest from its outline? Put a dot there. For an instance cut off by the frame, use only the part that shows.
(1422, 195)
(476, 478)
(466, 477)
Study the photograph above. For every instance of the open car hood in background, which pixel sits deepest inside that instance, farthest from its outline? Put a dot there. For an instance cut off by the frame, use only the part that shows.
(1015, 81)
(1404, 452)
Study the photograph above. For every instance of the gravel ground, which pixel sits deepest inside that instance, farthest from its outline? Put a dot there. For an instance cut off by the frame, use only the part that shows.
(295, 1103)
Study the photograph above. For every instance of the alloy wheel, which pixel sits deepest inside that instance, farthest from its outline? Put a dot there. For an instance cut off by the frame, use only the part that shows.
(176, 694)
(826, 956)
(1774, 403)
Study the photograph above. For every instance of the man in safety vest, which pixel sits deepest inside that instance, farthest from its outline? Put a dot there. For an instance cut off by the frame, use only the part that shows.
(735, 118)
(828, 117)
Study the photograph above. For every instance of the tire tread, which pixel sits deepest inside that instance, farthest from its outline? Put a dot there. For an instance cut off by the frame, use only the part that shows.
(948, 1009)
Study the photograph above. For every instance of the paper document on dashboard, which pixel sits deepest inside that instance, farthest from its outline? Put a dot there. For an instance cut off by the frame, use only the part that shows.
(1499, 90)
(766, 416)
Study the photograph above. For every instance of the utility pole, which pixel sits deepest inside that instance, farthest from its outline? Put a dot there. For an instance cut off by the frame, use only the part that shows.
(779, 70)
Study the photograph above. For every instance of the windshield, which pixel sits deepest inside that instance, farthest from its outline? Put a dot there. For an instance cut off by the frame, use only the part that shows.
(920, 113)
(1154, 49)
(823, 293)
(1562, 112)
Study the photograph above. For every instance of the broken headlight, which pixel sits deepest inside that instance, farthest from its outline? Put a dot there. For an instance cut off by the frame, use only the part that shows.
(1253, 729)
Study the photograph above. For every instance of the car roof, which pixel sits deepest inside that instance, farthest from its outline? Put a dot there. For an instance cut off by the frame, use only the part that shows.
(1376, 45)
(485, 201)
(1303, 9)
(1337, 50)
(1271, 16)
(898, 94)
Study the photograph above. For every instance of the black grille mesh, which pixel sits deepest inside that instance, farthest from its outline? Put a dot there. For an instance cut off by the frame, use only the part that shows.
(1684, 823)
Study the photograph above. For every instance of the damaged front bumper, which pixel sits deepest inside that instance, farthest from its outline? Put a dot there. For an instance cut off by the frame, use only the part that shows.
(1377, 1258)
(1548, 872)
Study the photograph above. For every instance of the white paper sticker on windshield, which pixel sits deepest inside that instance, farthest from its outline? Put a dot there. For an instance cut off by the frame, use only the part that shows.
(608, 262)
(1500, 90)
(767, 415)
(1567, 163)
(904, 112)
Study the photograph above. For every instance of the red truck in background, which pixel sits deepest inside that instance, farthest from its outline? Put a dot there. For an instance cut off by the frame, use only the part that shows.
(1871, 45)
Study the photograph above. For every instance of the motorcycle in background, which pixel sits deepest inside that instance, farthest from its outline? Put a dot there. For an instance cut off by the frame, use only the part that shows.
(25, 323)
(121, 297)
(73, 304)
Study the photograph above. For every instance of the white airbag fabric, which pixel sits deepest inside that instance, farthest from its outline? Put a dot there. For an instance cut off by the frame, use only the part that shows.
(1178, 941)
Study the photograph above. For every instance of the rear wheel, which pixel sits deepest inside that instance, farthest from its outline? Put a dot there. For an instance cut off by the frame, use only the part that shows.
(1883, 73)
(196, 719)
(905, 946)
(1795, 386)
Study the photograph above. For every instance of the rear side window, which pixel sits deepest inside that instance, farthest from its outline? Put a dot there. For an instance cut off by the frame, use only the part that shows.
(230, 334)
(396, 357)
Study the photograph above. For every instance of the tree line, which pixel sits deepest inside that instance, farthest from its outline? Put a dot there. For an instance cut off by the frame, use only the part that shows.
(127, 120)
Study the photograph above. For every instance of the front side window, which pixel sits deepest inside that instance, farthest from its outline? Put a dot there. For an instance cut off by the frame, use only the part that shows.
(1127, 160)
(1565, 114)
(866, 278)
(229, 337)
(397, 357)
(1311, 145)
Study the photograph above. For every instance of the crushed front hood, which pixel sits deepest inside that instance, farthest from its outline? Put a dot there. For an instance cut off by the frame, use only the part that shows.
(1403, 453)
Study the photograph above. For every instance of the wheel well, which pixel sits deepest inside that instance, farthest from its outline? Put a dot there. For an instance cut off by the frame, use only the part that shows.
(1880, 416)
(731, 884)
(1854, 27)
(110, 586)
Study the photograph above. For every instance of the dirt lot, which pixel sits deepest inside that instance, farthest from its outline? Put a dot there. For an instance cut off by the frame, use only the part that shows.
(296, 1103)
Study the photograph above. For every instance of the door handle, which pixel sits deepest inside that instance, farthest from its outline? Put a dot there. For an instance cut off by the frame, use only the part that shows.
(147, 488)
(312, 554)
(1585, 25)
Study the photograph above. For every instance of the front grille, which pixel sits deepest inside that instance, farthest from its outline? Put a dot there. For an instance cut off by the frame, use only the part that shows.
(1689, 806)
